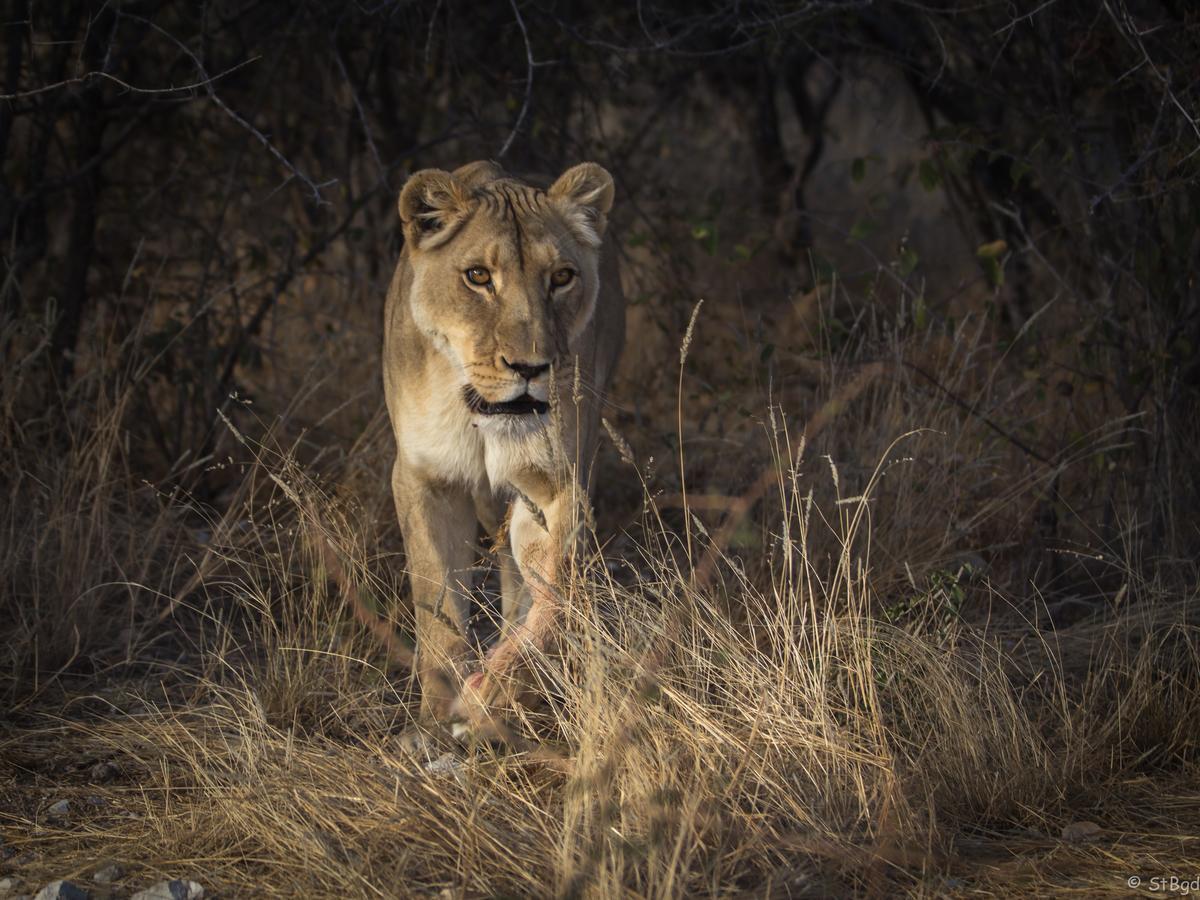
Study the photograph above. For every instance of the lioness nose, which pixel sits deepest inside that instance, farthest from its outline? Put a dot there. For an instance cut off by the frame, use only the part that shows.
(526, 370)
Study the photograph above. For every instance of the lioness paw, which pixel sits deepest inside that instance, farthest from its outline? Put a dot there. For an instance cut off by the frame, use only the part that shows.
(475, 714)
(471, 705)
(423, 742)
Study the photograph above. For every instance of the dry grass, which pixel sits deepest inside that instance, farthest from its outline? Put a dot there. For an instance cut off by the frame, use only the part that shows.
(850, 685)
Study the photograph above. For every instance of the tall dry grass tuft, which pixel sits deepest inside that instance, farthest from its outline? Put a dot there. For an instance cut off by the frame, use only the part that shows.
(85, 544)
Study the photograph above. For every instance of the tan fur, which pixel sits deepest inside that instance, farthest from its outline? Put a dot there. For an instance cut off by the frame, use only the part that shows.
(455, 468)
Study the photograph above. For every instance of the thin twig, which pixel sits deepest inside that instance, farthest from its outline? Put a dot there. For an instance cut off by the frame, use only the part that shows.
(398, 650)
(206, 82)
(741, 506)
(1137, 163)
(1133, 36)
(971, 410)
(429, 33)
(314, 189)
(362, 116)
(1019, 19)
(529, 66)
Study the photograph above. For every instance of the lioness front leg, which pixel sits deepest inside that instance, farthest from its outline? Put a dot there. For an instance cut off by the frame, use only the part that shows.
(438, 523)
(539, 539)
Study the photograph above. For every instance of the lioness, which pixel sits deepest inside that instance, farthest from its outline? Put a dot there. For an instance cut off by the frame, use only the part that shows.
(503, 325)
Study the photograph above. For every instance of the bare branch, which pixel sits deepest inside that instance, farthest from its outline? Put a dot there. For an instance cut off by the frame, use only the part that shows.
(529, 67)
(314, 189)
(1133, 37)
(362, 116)
(206, 82)
(429, 33)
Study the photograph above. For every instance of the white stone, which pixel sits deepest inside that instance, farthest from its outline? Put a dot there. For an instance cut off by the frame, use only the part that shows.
(171, 890)
(108, 874)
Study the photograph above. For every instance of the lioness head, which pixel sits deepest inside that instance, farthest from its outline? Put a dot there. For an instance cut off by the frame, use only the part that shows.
(505, 276)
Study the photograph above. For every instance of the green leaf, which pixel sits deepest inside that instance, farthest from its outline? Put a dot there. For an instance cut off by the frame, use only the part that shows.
(858, 169)
(907, 262)
(706, 234)
(746, 537)
(861, 229)
(930, 177)
(992, 249)
(993, 270)
(1017, 171)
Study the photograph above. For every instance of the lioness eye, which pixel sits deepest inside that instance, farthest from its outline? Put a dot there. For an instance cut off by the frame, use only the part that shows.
(478, 275)
(562, 277)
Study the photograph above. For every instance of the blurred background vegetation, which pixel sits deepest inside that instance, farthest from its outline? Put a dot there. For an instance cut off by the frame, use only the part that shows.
(209, 188)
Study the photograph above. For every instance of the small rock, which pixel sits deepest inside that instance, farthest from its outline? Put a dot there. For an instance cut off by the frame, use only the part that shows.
(103, 771)
(7, 886)
(1081, 832)
(59, 808)
(171, 890)
(94, 800)
(446, 764)
(108, 874)
(61, 890)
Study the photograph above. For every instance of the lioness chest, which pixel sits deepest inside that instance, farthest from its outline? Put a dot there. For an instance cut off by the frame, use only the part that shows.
(438, 437)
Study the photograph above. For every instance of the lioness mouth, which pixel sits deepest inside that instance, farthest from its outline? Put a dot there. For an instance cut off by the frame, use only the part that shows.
(519, 406)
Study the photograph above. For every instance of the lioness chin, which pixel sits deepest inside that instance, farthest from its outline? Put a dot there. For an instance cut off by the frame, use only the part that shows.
(503, 325)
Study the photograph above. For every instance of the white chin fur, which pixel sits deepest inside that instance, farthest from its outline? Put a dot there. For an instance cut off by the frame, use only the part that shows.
(511, 426)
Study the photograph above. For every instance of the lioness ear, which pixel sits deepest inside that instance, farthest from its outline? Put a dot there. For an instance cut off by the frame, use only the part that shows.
(478, 173)
(585, 192)
(432, 206)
